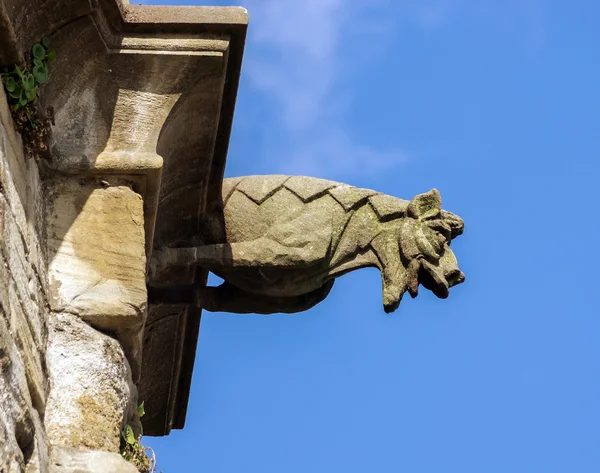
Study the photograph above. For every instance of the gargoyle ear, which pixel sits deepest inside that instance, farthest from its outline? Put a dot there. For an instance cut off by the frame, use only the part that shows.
(425, 205)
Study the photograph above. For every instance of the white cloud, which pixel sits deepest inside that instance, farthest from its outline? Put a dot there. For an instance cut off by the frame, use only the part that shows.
(293, 59)
(297, 60)
(334, 153)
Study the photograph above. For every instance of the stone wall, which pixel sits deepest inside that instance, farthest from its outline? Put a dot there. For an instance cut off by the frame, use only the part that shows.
(141, 102)
(24, 383)
(66, 388)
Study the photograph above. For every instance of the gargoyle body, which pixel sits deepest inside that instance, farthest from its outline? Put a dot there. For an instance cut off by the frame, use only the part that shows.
(284, 239)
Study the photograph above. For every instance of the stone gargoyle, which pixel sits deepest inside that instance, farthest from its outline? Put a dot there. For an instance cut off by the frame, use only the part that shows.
(286, 238)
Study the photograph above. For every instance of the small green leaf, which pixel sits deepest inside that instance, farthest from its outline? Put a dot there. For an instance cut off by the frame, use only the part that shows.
(31, 93)
(46, 42)
(38, 51)
(18, 71)
(51, 56)
(140, 409)
(28, 82)
(15, 107)
(10, 84)
(129, 435)
(15, 94)
(23, 98)
(38, 62)
(40, 73)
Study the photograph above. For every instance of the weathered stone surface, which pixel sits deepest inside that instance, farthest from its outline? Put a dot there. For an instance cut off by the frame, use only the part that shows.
(92, 394)
(131, 86)
(40, 456)
(22, 188)
(72, 460)
(23, 333)
(387, 207)
(17, 259)
(260, 191)
(17, 291)
(11, 458)
(308, 190)
(17, 427)
(282, 252)
(21, 215)
(96, 249)
(350, 197)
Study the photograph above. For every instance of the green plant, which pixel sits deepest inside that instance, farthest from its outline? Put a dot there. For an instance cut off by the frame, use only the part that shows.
(132, 449)
(23, 85)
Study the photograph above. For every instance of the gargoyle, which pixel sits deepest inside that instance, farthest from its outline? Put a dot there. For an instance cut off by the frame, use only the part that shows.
(285, 239)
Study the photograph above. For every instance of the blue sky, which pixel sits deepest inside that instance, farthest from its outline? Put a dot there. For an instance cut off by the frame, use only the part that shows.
(496, 104)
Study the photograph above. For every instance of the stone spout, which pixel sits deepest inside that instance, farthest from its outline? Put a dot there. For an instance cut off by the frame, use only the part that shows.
(279, 242)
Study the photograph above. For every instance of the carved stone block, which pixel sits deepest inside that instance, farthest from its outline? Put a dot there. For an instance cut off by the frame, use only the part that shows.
(96, 252)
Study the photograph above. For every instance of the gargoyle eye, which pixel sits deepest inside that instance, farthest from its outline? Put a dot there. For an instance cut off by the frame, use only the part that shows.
(455, 222)
(440, 227)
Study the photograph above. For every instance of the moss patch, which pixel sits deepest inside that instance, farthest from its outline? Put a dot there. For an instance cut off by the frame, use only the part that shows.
(94, 412)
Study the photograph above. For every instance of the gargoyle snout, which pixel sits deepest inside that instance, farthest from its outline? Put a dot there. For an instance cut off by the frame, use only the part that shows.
(455, 277)
(449, 265)
(452, 274)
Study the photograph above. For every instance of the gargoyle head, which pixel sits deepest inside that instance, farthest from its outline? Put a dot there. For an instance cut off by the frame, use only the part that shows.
(426, 234)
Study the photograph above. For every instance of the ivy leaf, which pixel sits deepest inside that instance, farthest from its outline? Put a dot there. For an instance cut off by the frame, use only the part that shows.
(51, 56)
(140, 409)
(40, 73)
(46, 42)
(39, 52)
